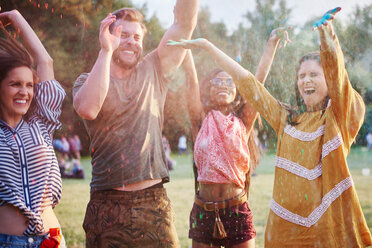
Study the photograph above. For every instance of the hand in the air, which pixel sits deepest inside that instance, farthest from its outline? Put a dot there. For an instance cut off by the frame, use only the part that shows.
(109, 41)
(281, 34)
(328, 16)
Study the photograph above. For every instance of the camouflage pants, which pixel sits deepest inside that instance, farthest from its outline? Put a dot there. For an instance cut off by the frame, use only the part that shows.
(143, 218)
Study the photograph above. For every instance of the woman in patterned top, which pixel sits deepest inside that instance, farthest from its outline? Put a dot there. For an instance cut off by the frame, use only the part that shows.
(314, 201)
(224, 152)
(30, 105)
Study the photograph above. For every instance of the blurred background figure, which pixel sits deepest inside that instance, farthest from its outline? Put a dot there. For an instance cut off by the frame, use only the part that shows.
(182, 145)
(369, 140)
(74, 155)
(170, 162)
(68, 156)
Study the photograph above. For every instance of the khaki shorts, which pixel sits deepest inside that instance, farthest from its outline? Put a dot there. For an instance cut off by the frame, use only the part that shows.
(143, 218)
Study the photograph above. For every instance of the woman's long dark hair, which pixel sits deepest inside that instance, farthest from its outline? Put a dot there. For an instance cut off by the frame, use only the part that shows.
(13, 55)
(236, 109)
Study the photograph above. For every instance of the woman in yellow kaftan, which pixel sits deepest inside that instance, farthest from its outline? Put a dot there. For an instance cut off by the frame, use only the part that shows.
(314, 201)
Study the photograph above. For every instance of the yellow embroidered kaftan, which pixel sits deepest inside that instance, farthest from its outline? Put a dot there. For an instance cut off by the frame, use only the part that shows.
(314, 201)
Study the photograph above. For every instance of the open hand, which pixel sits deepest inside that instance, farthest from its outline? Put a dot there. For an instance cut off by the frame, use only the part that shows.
(280, 34)
(109, 41)
(188, 44)
(328, 16)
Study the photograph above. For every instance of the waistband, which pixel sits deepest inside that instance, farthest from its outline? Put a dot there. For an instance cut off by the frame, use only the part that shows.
(112, 194)
(213, 206)
(14, 239)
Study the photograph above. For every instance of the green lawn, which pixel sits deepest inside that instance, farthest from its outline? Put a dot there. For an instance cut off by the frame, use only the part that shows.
(75, 196)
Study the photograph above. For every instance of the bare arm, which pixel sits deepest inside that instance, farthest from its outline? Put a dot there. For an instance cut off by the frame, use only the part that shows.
(34, 46)
(249, 87)
(185, 18)
(194, 104)
(263, 68)
(89, 99)
(276, 36)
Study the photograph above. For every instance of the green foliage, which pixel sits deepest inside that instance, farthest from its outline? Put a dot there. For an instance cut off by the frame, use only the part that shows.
(357, 44)
(69, 30)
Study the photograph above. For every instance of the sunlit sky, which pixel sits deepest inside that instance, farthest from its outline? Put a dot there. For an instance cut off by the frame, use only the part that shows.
(231, 12)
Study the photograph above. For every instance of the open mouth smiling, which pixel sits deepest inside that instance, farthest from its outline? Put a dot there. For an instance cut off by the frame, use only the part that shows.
(128, 51)
(309, 91)
(21, 101)
(223, 93)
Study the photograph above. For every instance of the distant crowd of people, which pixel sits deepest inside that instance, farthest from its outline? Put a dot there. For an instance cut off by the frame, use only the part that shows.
(68, 156)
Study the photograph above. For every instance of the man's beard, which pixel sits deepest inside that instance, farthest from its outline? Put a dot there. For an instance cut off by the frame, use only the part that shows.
(123, 64)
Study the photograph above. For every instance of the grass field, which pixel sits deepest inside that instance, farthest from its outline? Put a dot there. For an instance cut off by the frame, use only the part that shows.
(75, 196)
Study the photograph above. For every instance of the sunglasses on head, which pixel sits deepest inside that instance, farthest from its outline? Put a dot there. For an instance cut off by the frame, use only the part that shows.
(219, 82)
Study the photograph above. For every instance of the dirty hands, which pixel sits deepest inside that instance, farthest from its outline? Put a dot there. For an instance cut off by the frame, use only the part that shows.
(327, 17)
(280, 35)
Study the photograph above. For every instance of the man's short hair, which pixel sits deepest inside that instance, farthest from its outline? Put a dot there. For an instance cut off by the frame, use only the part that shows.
(131, 15)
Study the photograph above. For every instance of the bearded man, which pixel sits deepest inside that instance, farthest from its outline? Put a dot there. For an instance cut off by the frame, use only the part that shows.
(121, 102)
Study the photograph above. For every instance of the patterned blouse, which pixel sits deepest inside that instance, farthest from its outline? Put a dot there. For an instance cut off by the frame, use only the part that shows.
(29, 174)
(221, 149)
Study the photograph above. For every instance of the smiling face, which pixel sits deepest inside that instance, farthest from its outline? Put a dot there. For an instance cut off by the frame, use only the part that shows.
(222, 91)
(129, 52)
(17, 91)
(312, 85)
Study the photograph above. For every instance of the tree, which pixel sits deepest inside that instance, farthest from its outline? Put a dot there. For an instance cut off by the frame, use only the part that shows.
(69, 31)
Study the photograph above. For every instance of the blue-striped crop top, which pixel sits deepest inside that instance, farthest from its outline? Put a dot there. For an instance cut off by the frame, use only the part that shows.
(29, 174)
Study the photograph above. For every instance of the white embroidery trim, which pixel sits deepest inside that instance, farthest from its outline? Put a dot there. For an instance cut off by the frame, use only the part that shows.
(329, 103)
(318, 212)
(304, 136)
(298, 169)
(331, 145)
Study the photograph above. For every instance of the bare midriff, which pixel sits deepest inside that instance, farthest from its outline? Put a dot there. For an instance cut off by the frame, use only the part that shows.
(13, 222)
(140, 185)
(218, 191)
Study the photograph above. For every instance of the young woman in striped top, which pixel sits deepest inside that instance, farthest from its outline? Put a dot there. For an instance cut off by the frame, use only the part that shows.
(30, 105)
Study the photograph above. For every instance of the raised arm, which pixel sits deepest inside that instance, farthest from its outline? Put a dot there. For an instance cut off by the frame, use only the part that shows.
(194, 105)
(33, 45)
(277, 36)
(185, 18)
(89, 99)
(249, 87)
(346, 104)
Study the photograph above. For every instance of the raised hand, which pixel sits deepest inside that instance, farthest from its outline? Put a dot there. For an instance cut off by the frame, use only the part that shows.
(6, 18)
(280, 34)
(33, 45)
(109, 41)
(188, 44)
(328, 16)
